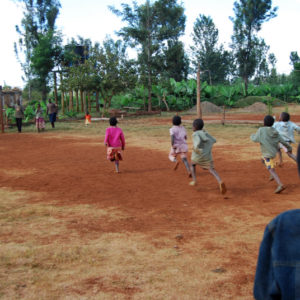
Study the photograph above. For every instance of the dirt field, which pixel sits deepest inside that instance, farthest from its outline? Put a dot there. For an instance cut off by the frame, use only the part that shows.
(71, 228)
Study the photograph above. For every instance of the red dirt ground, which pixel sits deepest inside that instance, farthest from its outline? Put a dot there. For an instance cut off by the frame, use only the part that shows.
(158, 200)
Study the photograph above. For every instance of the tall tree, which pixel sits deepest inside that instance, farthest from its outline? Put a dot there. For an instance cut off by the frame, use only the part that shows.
(295, 62)
(115, 72)
(149, 28)
(37, 35)
(248, 20)
(214, 61)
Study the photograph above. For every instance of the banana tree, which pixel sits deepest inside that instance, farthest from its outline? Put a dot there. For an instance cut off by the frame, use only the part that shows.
(161, 92)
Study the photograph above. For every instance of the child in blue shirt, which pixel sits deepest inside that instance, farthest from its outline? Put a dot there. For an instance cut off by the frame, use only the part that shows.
(286, 129)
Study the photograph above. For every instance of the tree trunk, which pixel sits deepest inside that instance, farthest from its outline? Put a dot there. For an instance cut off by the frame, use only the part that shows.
(67, 101)
(199, 111)
(144, 98)
(165, 102)
(89, 101)
(55, 88)
(77, 101)
(149, 65)
(97, 102)
(246, 85)
(81, 100)
(84, 101)
(62, 95)
(71, 101)
(1, 112)
(149, 92)
(224, 112)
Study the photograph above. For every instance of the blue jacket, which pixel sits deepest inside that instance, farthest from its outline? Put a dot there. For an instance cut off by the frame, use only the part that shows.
(278, 266)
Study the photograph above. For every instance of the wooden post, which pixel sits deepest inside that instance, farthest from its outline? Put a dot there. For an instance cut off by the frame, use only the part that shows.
(1, 111)
(55, 88)
(199, 111)
(62, 95)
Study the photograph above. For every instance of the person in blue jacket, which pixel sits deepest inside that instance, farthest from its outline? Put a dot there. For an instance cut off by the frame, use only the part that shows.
(278, 266)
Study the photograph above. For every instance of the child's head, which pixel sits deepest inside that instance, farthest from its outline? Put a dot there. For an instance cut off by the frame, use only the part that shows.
(268, 121)
(87, 112)
(198, 124)
(113, 121)
(176, 120)
(284, 116)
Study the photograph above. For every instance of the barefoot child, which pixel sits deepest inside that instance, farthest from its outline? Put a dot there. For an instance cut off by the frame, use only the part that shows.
(269, 138)
(178, 143)
(201, 155)
(115, 142)
(286, 129)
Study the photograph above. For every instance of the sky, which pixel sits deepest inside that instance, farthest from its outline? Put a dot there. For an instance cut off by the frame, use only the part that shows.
(92, 19)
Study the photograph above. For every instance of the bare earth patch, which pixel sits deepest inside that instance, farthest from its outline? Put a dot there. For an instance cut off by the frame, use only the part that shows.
(70, 228)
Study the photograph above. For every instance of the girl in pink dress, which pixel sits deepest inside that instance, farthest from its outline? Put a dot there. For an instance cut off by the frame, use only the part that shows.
(178, 144)
(115, 142)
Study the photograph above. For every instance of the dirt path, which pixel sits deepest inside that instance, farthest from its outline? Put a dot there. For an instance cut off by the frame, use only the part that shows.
(157, 201)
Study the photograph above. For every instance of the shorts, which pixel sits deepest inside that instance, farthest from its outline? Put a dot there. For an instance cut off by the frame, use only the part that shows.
(114, 154)
(269, 163)
(173, 154)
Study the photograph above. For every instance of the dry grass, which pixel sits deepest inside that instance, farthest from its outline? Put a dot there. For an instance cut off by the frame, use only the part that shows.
(55, 262)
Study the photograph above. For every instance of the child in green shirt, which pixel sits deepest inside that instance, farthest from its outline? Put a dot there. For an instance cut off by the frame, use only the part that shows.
(201, 155)
(269, 138)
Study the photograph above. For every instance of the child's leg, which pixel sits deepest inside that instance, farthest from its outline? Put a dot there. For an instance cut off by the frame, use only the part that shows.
(280, 187)
(275, 176)
(215, 173)
(193, 169)
(292, 156)
(221, 183)
(186, 163)
(117, 166)
(280, 157)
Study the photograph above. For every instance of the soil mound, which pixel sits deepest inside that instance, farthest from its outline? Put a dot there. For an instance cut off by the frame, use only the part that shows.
(257, 107)
(207, 107)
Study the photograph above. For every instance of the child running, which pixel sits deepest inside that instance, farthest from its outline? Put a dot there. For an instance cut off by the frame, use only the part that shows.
(178, 144)
(286, 129)
(115, 142)
(201, 155)
(269, 138)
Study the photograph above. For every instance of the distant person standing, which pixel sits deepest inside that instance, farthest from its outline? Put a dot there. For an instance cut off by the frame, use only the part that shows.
(52, 112)
(39, 119)
(19, 115)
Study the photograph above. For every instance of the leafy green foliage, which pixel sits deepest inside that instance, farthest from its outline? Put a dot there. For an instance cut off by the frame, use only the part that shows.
(215, 63)
(154, 29)
(249, 49)
(39, 42)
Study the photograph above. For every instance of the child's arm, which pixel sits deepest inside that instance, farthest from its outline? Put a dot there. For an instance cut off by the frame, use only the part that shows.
(122, 138)
(196, 141)
(172, 140)
(255, 137)
(286, 144)
(296, 127)
(106, 138)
